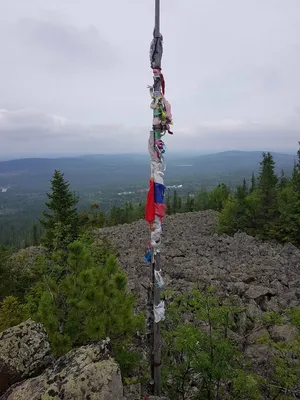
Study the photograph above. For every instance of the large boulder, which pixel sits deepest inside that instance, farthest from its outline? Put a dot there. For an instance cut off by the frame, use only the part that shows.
(24, 352)
(85, 373)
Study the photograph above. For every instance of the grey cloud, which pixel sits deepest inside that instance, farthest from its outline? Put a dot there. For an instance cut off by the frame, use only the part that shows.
(27, 130)
(30, 130)
(87, 61)
(61, 44)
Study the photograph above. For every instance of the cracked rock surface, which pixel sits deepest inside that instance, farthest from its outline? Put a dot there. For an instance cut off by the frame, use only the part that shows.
(85, 373)
(24, 352)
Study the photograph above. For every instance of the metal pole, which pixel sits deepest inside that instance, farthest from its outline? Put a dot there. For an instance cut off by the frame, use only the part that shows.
(157, 18)
(156, 331)
(155, 207)
(156, 347)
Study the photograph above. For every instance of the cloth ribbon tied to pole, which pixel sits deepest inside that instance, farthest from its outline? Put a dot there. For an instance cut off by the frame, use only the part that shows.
(155, 208)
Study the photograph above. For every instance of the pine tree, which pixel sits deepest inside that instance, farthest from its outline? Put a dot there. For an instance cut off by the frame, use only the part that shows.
(241, 191)
(61, 222)
(90, 303)
(267, 189)
(289, 205)
(253, 183)
(202, 200)
(245, 187)
(168, 204)
(179, 204)
(296, 175)
(35, 235)
(175, 205)
(189, 205)
(218, 197)
(228, 217)
(283, 180)
(11, 313)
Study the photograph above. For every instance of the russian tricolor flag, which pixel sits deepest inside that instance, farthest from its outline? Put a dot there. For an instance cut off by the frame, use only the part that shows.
(155, 201)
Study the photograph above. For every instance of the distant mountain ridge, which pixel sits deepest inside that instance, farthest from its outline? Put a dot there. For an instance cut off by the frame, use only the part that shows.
(91, 170)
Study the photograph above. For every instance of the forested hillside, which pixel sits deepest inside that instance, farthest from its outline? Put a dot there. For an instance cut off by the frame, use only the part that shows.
(231, 264)
(113, 181)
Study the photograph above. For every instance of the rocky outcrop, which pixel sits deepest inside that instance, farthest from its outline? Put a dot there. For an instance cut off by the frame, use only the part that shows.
(266, 276)
(263, 276)
(84, 373)
(29, 372)
(24, 352)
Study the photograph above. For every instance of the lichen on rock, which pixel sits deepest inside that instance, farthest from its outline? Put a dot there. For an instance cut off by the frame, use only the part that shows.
(24, 352)
(85, 373)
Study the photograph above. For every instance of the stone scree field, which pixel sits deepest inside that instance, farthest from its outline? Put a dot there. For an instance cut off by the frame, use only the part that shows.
(265, 275)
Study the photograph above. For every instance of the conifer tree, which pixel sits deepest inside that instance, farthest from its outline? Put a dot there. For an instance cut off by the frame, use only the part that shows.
(189, 205)
(289, 221)
(296, 175)
(267, 190)
(179, 204)
(11, 313)
(35, 235)
(90, 303)
(241, 191)
(168, 204)
(175, 201)
(253, 183)
(218, 197)
(202, 201)
(61, 222)
(283, 180)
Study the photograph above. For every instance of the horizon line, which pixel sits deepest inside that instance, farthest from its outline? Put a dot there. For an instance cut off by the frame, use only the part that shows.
(176, 153)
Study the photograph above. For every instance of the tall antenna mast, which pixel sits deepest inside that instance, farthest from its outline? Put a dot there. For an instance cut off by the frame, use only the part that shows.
(155, 207)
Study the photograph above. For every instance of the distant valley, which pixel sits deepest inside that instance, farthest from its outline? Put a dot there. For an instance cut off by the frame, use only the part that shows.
(111, 180)
(124, 171)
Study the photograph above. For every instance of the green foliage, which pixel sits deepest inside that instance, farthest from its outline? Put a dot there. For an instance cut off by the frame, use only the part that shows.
(200, 357)
(268, 193)
(271, 208)
(218, 196)
(85, 299)
(11, 313)
(272, 318)
(240, 213)
(202, 200)
(246, 386)
(176, 203)
(61, 224)
(229, 216)
(5, 274)
(189, 204)
(75, 288)
(35, 235)
(128, 359)
(202, 360)
(253, 183)
(17, 273)
(294, 315)
(95, 218)
(281, 380)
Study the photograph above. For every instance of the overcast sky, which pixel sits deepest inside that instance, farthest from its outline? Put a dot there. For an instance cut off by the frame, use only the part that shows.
(73, 75)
